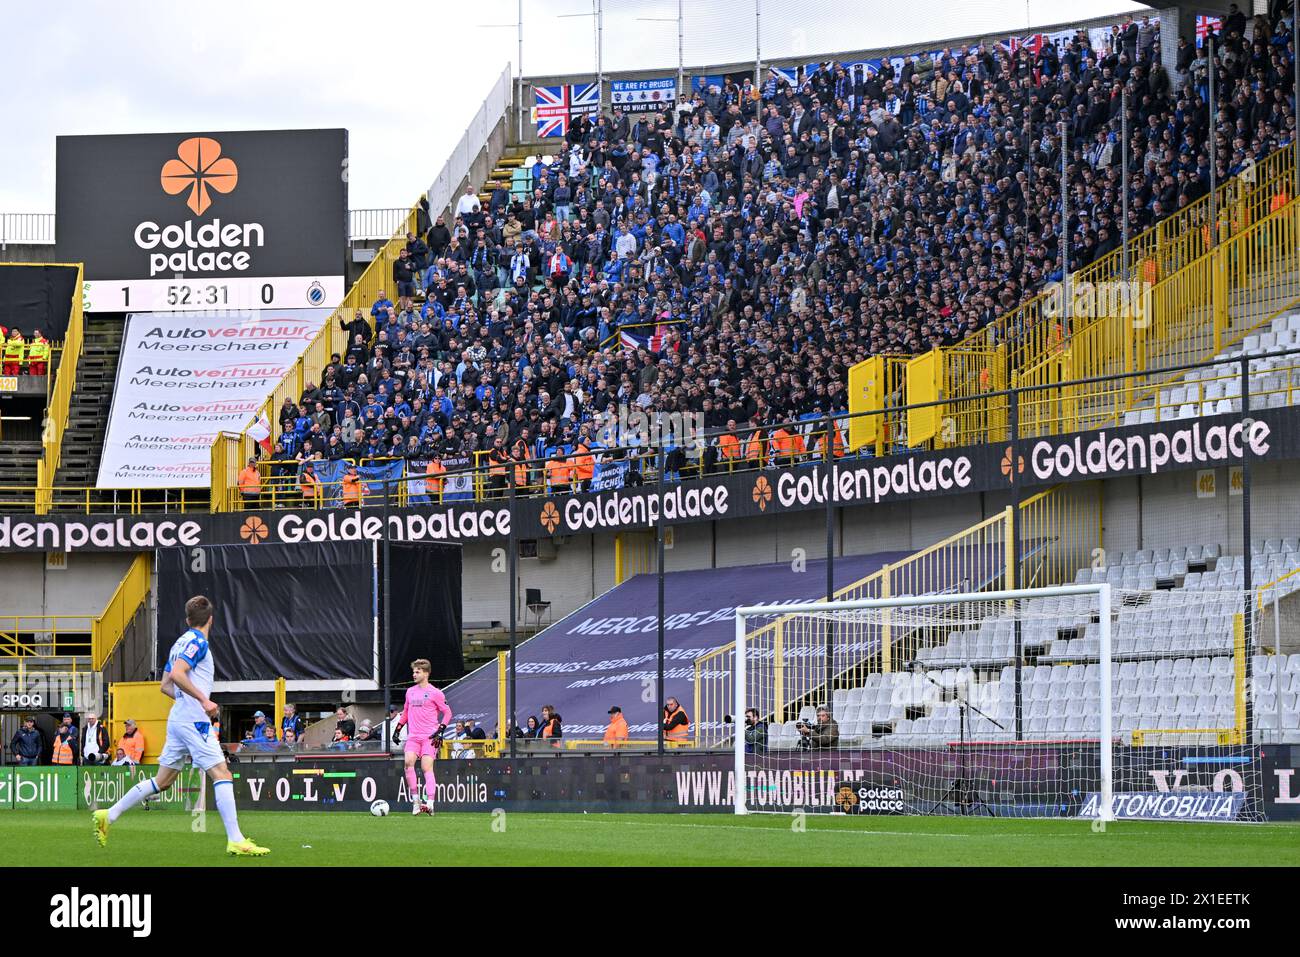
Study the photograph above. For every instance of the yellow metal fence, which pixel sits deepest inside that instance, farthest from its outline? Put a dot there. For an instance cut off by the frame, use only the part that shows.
(88, 500)
(1035, 329)
(107, 630)
(60, 398)
(80, 636)
(1211, 304)
(45, 636)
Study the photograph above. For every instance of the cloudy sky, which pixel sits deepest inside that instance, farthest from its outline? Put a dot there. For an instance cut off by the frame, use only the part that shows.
(403, 78)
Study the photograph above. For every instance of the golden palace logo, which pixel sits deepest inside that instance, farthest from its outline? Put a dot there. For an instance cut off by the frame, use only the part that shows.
(199, 167)
(253, 530)
(762, 493)
(846, 797)
(1009, 463)
(550, 517)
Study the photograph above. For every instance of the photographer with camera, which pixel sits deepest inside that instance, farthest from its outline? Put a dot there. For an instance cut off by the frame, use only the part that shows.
(821, 735)
(755, 732)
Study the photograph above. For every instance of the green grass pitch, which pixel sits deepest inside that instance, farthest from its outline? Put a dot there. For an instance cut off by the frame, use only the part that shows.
(62, 838)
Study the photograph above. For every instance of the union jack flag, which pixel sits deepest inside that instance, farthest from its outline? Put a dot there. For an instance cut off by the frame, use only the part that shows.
(1033, 43)
(555, 106)
(1205, 26)
(641, 338)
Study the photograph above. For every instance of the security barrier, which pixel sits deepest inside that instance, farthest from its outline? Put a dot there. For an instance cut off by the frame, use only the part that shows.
(1183, 319)
(1035, 329)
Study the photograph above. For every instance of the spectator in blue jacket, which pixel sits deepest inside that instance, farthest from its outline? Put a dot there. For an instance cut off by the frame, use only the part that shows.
(27, 743)
(261, 728)
(381, 306)
(291, 721)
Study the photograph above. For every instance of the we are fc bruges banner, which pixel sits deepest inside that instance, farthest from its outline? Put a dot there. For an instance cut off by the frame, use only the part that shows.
(643, 96)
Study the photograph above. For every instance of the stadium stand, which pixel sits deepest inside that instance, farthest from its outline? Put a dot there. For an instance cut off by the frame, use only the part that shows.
(733, 260)
(736, 259)
(1272, 381)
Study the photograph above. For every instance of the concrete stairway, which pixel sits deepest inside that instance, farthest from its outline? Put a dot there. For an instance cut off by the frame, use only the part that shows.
(18, 475)
(83, 438)
(504, 171)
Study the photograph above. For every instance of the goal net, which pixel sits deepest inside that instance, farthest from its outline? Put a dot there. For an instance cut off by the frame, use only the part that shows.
(1084, 701)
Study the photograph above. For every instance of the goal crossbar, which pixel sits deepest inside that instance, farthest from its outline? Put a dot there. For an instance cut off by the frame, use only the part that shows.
(1101, 589)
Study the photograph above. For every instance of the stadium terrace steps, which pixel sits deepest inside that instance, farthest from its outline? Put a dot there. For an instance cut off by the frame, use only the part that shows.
(83, 437)
(504, 171)
(481, 645)
(18, 475)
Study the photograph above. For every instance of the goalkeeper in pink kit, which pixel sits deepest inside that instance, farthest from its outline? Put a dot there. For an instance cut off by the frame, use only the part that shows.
(425, 717)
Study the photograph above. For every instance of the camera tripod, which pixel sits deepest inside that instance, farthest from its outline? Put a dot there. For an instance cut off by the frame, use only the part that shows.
(963, 793)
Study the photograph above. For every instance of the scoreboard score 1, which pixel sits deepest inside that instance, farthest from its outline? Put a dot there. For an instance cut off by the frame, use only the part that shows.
(181, 295)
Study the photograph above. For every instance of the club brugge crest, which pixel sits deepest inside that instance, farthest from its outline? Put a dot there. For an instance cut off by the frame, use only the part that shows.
(316, 294)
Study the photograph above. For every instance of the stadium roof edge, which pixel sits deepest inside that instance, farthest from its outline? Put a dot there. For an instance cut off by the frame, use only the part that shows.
(1187, 9)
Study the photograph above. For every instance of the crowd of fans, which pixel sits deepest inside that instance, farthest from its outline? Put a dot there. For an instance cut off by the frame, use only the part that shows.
(759, 241)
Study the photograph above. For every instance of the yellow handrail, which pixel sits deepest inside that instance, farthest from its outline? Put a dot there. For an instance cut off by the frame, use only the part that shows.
(107, 630)
(315, 357)
(1032, 331)
(89, 500)
(1185, 318)
(60, 400)
(80, 635)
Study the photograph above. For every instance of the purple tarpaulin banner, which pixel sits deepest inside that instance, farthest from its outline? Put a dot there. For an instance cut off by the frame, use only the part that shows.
(604, 654)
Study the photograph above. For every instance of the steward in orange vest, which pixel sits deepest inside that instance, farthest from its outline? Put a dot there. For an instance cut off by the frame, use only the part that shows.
(677, 725)
(786, 445)
(65, 746)
(552, 729)
(616, 733)
(558, 473)
(132, 741)
(1150, 271)
(729, 447)
(434, 471)
(351, 488)
(519, 455)
(498, 462)
(584, 466)
(837, 443)
(309, 485)
(250, 484)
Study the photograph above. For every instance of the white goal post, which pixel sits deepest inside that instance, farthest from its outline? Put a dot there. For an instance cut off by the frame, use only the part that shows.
(875, 622)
